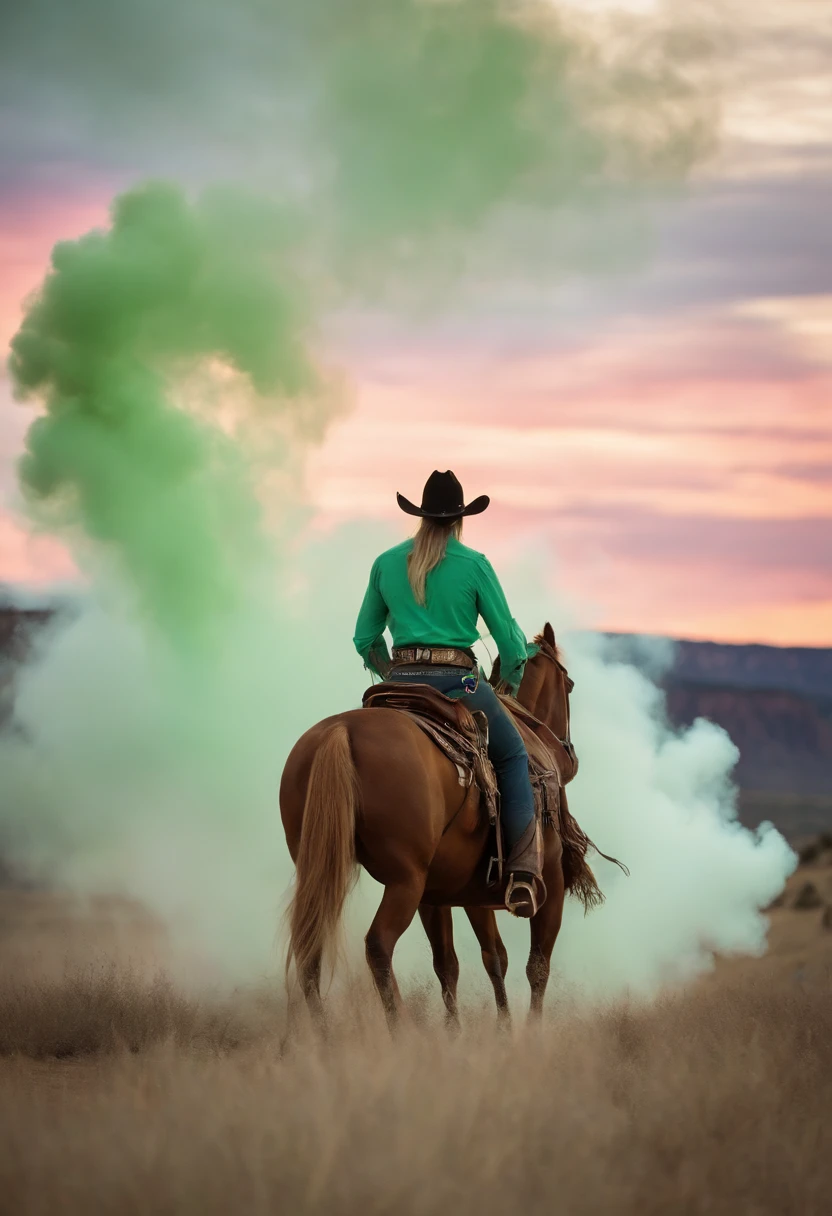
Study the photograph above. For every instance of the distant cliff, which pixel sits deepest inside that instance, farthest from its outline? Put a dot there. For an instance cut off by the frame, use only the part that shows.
(775, 703)
(784, 737)
(18, 628)
(799, 669)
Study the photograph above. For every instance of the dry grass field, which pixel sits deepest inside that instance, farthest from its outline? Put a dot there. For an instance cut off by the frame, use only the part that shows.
(122, 1093)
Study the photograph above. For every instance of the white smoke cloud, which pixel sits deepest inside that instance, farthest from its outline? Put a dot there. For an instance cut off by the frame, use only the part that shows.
(133, 773)
(662, 801)
(149, 767)
(126, 777)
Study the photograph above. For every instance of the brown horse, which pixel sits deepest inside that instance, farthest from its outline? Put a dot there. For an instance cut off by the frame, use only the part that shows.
(369, 787)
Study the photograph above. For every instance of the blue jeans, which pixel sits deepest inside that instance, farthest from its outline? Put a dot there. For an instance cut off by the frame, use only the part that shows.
(506, 748)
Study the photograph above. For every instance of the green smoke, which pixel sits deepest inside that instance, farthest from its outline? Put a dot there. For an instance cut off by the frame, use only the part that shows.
(401, 125)
(435, 113)
(123, 316)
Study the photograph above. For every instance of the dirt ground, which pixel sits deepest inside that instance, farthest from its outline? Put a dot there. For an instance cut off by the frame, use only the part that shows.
(123, 1093)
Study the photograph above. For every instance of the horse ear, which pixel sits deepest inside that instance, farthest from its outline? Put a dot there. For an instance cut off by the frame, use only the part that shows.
(549, 634)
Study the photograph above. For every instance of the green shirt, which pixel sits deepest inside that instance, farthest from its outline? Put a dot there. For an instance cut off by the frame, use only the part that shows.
(460, 589)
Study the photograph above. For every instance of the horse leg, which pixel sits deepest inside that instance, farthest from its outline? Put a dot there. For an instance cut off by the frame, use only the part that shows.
(494, 956)
(545, 926)
(439, 926)
(395, 912)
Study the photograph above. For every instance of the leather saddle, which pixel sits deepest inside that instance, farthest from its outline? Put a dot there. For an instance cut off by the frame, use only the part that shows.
(425, 701)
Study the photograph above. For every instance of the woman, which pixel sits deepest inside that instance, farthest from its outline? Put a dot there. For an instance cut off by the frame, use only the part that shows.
(430, 592)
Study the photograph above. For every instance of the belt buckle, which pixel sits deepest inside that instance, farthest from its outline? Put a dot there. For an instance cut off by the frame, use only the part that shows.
(422, 654)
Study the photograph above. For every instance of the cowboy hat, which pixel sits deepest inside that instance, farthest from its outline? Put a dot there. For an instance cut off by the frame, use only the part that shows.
(442, 498)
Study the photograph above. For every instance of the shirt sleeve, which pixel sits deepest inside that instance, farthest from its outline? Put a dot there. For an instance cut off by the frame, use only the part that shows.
(494, 610)
(369, 628)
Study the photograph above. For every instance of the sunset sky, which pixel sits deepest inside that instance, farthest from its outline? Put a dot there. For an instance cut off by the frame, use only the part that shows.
(661, 425)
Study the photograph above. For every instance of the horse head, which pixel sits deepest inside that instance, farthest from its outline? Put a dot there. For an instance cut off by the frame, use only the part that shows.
(546, 685)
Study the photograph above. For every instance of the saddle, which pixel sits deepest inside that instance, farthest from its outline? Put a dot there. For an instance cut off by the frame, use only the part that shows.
(463, 737)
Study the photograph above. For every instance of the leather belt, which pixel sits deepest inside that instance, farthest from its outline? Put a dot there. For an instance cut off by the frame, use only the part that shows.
(445, 656)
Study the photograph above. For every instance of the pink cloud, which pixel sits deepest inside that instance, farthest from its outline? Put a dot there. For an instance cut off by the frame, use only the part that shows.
(29, 559)
(30, 225)
(684, 503)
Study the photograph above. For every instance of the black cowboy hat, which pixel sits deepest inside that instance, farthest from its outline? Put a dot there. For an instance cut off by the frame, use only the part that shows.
(442, 498)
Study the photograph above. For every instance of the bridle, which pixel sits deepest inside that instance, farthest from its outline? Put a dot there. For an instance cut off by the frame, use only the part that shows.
(549, 652)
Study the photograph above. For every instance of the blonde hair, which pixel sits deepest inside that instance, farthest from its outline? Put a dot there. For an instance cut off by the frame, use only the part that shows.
(429, 547)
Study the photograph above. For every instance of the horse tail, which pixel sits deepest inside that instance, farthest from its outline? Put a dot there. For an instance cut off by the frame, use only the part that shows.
(326, 866)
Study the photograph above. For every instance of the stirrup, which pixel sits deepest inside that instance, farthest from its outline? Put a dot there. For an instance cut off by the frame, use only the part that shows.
(522, 886)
